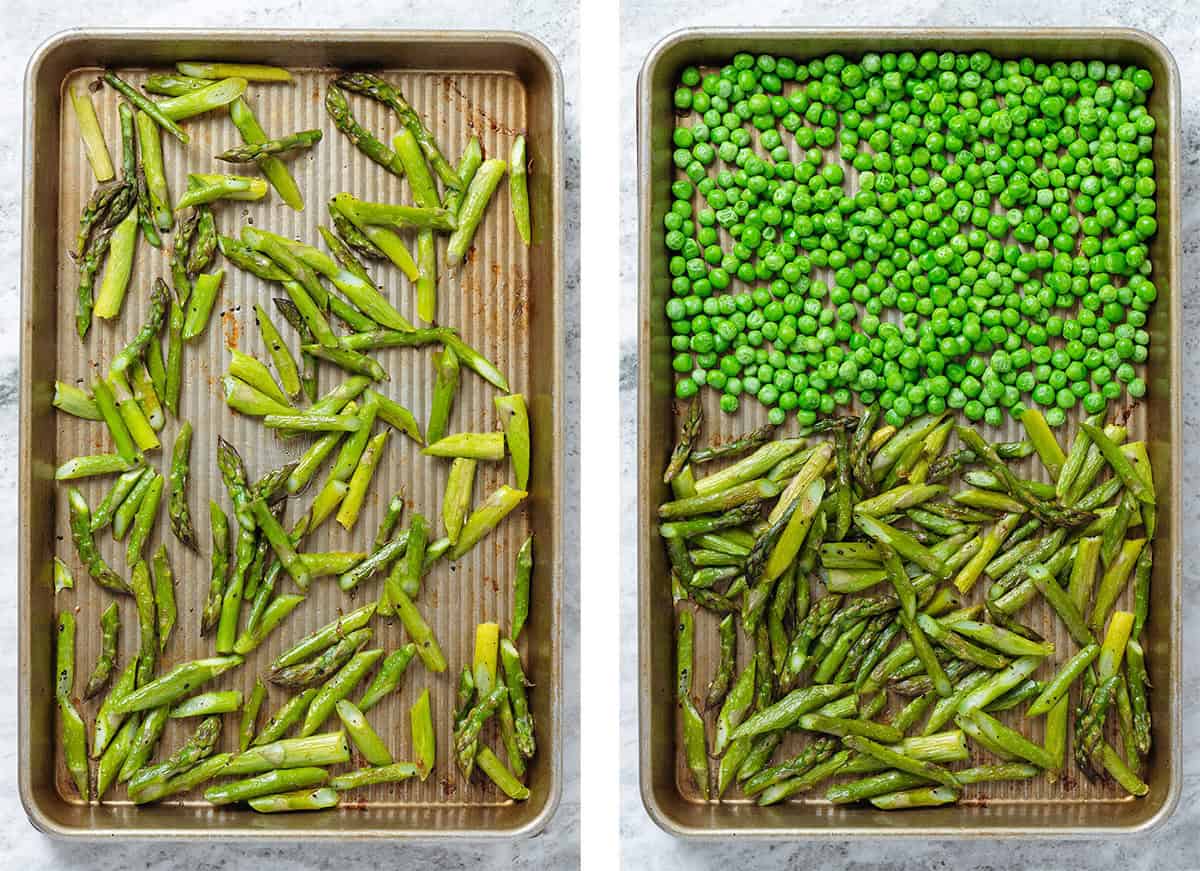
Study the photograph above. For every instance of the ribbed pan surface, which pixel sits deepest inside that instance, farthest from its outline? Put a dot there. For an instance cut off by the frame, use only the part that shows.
(486, 300)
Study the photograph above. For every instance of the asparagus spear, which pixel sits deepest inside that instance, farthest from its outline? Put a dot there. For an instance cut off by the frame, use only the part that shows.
(91, 134)
(424, 192)
(118, 267)
(475, 202)
(351, 361)
(900, 761)
(282, 720)
(376, 88)
(445, 365)
(215, 96)
(132, 414)
(688, 430)
(472, 445)
(457, 502)
(180, 514)
(521, 582)
(172, 85)
(63, 579)
(85, 545)
(144, 518)
(143, 594)
(176, 683)
(74, 745)
(250, 715)
(376, 560)
(124, 514)
(211, 187)
(86, 467)
(1060, 684)
(468, 165)
(516, 682)
(164, 596)
(253, 152)
(220, 567)
(308, 374)
(147, 395)
(253, 372)
(418, 630)
(114, 756)
(515, 419)
(270, 783)
(103, 196)
(285, 364)
(370, 307)
(108, 721)
(344, 253)
(1048, 511)
(205, 704)
(233, 472)
(324, 637)
(354, 239)
(324, 664)
(518, 183)
(200, 305)
(387, 679)
(159, 298)
(158, 196)
(147, 105)
(474, 360)
(317, 799)
(424, 738)
(390, 518)
(398, 216)
(272, 167)
(406, 572)
(97, 241)
(466, 736)
(220, 70)
(338, 108)
(182, 286)
(1135, 664)
(193, 777)
(64, 660)
(1120, 464)
(129, 148)
(486, 517)
(366, 739)
(394, 773)
(491, 765)
(338, 687)
(383, 239)
(75, 401)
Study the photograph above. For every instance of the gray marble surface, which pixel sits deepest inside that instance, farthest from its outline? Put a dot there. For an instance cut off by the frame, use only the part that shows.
(23, 26)
(1174, 846)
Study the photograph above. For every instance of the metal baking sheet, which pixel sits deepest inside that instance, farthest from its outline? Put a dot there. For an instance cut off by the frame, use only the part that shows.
(1073, 806)
(505, 300)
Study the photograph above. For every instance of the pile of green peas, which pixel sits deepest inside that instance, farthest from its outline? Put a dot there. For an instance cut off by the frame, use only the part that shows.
(986, 248)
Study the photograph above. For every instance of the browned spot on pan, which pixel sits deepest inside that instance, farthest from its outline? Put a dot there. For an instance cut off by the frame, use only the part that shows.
(521, 293)
(230, 327)
(475, 116)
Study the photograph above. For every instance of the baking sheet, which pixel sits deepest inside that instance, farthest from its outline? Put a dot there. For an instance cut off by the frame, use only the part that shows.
(1071, 806)
(504, 301)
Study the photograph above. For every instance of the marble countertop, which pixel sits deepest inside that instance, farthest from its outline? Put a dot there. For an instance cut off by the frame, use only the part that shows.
(644, 845)
(25, 27)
